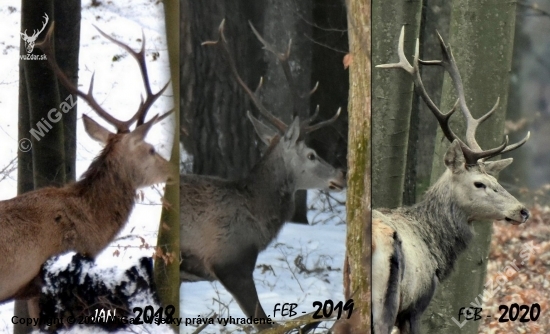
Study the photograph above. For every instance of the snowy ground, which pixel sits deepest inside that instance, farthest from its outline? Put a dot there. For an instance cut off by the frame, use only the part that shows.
(303, 265)
(279, 275)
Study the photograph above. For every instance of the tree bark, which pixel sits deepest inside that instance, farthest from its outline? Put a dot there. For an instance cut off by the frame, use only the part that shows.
(45, 164)
(423, 125)
(166, 270)
(392, 99)
(67, 41)
(482, 33)
(215, 129)
(43, 95)
(357, 278)
(518, 172)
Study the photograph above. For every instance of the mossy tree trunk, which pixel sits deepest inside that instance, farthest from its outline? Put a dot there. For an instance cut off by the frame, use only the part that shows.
(482, 35)
(357, 278)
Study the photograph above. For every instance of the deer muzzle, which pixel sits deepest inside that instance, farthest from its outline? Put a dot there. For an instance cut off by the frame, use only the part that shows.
(339, 182)
(518, 217)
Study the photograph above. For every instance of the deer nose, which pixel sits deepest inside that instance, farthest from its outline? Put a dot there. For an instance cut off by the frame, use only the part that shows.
(524, 213)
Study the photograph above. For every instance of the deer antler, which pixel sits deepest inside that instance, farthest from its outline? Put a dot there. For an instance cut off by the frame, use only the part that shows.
(280, 125)
(122, 126)
(471, 149)
(283, 59)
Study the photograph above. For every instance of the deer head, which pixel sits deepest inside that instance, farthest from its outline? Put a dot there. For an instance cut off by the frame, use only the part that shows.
(473, 184)
(309, 170)
(30, 40)
(128, 149)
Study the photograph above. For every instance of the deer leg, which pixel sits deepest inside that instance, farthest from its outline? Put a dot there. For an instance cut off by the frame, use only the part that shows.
(411, 323)
(237, 277)
(33, 307)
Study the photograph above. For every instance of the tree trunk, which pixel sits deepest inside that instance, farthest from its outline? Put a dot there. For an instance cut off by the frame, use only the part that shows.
(67, 42)
(25, 180)
(392, 98)
(516, 112)
(166, 270)
(51, 160)
(285, 20)
(357, 278)
(423, 125)
(215, 129)
(43, 95)
(482, 35)
(330, 45)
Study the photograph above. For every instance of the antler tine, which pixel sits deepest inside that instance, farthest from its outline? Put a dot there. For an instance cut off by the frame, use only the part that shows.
(518, 144)
(47, 47)
(449, 64)
(283, 60)
(310, 119)
(319, 125)
(414, 71)
(472, 151)
(260, 84)
(314, 89)
(224, 46)
(144, 106)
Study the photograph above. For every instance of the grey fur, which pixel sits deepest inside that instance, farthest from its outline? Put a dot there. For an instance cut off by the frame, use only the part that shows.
(433, 233)
(225, 224)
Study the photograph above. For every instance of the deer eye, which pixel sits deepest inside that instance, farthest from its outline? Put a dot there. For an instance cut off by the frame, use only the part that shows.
(480, 185)
(311, 156)
(152, 151)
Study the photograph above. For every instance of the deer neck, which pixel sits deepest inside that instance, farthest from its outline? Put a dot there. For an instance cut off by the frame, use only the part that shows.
(107, 191)
(442, 224)
(272, 186)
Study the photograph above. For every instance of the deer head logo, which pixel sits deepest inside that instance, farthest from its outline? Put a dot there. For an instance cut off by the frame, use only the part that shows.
(30, 40)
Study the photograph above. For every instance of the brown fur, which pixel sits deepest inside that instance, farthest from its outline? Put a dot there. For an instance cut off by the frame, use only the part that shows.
(83, 216)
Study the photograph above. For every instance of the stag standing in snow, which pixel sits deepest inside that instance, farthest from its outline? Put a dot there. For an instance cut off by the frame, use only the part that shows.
(414, 248)
(86, 215)
(226, 224)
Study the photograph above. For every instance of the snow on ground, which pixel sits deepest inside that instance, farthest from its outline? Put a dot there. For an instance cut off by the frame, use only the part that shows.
(117, 88)
(280, 276)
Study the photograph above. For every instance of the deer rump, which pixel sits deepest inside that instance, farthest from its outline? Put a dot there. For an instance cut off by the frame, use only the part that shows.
(404, 271)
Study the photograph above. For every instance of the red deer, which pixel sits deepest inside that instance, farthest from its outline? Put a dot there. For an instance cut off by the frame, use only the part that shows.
(86, 215)
(414, 248)
(226, 224)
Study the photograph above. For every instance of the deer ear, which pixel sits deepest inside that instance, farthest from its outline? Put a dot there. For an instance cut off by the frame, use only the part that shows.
(141, 131)
(95, 130)
(454, 158)
(263, 131)
(494, 167)
(293, 132)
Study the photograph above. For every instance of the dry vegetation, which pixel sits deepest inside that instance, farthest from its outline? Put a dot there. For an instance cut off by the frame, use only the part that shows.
(518, 269)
